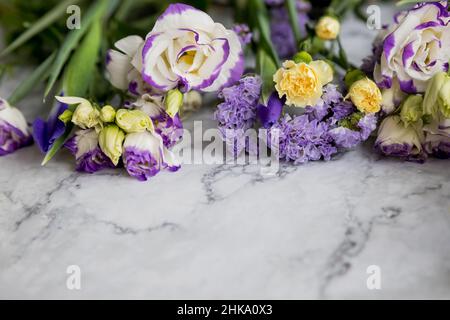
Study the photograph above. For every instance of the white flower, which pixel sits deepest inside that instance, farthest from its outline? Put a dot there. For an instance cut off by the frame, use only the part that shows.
(187, 49)
(14, 132)
(415, 48)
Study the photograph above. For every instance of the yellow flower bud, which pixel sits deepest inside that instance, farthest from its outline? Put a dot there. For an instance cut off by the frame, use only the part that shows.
(328, 28)
(411, 109)
(174, 101)
(110, 140)
(133, 120)
(85, 115)
(66, 116)
(365, 95)
(302, 83)
(107, 114)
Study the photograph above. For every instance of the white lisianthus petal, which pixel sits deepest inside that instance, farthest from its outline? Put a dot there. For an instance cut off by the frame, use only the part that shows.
(72, 100)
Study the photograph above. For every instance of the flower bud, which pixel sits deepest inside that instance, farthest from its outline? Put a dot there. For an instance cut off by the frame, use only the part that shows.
(302, 56)
(435, 96)
(111, 142)
(365, 95)
(133, 120)
(328, 28)
(394, 139)
(444, 98)
(107, 114)
(411, 110)
(85, 115)
(66, 116)
(174, 101)
(192, 101)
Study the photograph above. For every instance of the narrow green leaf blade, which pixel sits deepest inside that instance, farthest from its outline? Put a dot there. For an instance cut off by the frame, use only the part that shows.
(46, 20)
(291, 6)
(72, 40)
(81, 68)
(58, 144)
(266, 69)
(38, 75)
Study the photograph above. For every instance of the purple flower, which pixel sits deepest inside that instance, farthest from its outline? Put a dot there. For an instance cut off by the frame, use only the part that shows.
(145, 155)
(244, 34)
(46, 132)
(281, 32)
(302, 140)
(238, 111)
(269, 115)
(89, 158)
(14, 133)
(170, 129)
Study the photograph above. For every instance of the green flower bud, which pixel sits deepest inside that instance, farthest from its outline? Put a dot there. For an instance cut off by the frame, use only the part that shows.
(66, 116)
(174, 101)
(107, 114)
(435, 98)
(85, 115)
(133, 120)
(111, 140)
(444, 97)
(302, 56)
(411, 110)
(352, 76)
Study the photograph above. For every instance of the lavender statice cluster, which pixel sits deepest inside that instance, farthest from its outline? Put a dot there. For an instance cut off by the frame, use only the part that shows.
(323, 130)
(237, 112)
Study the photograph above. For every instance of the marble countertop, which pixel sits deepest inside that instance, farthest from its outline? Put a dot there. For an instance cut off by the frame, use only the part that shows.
(226, 231)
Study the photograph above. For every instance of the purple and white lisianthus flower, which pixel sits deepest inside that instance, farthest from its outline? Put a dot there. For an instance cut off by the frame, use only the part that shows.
(437, 138)
(187, 49)
(14, 132)
(415, 48)
(400, 140)
(145, 155)
(88, 155)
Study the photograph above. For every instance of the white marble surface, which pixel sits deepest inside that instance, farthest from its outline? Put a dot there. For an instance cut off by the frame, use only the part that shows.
(310, 232)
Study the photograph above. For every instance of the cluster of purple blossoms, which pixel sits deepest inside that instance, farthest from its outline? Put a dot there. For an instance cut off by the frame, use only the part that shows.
(244, 33)
(282, 35)
(238, 112)
(323, 130)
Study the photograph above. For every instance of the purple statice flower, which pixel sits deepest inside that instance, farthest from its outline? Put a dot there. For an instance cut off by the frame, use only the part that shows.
(302, 140)
(282, 35)
(145, 155)
(244, 34)
(269, 115)
(46, 132)
(323, 129)
(14, 132)
(238, 111)
(170, 129)
(89, 158)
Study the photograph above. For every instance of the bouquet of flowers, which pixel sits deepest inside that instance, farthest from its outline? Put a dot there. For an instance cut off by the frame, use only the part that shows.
(410, 62)
(297, 101)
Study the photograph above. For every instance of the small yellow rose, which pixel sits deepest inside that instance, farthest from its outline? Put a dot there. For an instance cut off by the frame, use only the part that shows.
(328, 28)
(365, 95)
(302, 83)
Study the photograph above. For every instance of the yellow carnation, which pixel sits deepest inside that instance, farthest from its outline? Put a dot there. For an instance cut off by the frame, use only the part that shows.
(366, 96)
(328, 28)
(302, 83)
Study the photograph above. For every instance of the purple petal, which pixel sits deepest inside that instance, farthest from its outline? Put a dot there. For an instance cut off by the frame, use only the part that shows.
(269, 115)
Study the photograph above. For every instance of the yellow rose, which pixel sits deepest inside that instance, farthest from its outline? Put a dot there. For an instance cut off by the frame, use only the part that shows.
(328, 28)
(365, 95)
(302, 83)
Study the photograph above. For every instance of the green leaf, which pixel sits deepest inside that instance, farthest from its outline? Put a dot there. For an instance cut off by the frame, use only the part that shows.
(58, 144)
(38, 75)
(95, 12)
(263, 26)
(41, 24)
(81, 68)
(291, 6)
(266, 69)
(342, 55)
